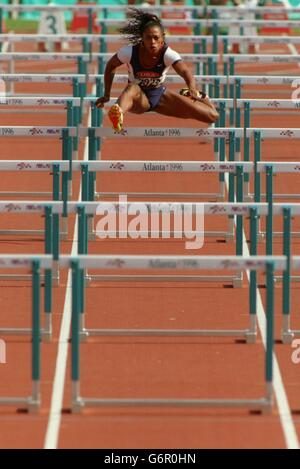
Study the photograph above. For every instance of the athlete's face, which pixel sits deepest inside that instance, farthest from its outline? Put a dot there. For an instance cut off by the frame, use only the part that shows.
(153, 39)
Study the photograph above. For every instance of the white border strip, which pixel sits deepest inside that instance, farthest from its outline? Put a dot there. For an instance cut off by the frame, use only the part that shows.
(55, 413)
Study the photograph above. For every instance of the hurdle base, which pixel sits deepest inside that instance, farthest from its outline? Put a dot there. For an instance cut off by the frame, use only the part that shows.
(124, 236)
(255, 404)
(229, 236)
(34, 406)
(170, 332)
(159, 278)
(35, 399)
(18, 401)
(251, 334)
(84, 333)
(267, 409)
(26, 194)
(293, 278)
(287, 335)
(77, 403)
(238, 280)
(184, 195)
(46, 333)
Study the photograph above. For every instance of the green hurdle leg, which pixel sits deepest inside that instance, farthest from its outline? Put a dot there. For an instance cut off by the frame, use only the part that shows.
(48, 274)
(93, 114)
(82, 249)
(1, 19)
(287, 334)
(215, 32)
(231, 89)
(87, 47)
(96, 121)
(269, 200)
(253, 276)
(70, 114)
(92, 157)
(204, 51)
(210, 72)
(239, 218)
(90, 21)
(103, 46)
(65, 197)
(257, 158)
(197, 32)
(231, 158)
(222, 144)
(270, 329)
(67, 149)
(246, 144)
(84, 182)
(82, 70)
(99, 113)
(237, 116)
(225, 68)
(55, 217)
(76, 113)
(99, 87)
(100, 65)
(36, 337)
(75, 342)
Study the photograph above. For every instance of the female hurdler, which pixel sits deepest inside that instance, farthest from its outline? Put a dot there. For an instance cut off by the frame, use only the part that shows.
(148, 59)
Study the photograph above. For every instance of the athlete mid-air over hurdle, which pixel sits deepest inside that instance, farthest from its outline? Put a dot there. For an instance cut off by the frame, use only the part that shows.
(148, 59)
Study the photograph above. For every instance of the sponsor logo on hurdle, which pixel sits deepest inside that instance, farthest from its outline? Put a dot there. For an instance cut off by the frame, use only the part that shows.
(2, 352)
(162, 133)
(7, 131)
(156, 220)
(296, 353)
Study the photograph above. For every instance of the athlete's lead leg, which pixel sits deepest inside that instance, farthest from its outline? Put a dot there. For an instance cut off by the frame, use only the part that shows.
(131, 99)
(175, 105)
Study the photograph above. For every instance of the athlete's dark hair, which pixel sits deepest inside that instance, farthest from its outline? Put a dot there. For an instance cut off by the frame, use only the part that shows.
(138, 22)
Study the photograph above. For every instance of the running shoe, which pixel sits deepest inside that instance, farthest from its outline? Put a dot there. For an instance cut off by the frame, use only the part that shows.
(186, 92)
(115, 115)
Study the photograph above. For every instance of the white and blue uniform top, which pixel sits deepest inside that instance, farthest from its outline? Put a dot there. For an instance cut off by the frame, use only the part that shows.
(147, 78)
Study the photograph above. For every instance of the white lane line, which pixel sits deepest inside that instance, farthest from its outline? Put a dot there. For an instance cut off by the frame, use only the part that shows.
(53, 426)
(286, 419)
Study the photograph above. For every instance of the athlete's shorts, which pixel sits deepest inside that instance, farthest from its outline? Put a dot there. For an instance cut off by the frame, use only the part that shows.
(154, 95)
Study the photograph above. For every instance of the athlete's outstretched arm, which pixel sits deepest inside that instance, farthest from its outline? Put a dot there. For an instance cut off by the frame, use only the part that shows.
(109, 74)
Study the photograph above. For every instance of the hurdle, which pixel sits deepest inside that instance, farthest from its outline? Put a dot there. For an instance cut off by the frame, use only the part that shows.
(34, 264)
(51, 212)
(105, 8)
(66, 134)
(58, 169)
(200, 42)
(261, 135)
(240, 210)
(80, 59)
(230, 85)
(256, 263)
(71, 106)
(76, 80)
(227, 60)
(90, 168)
